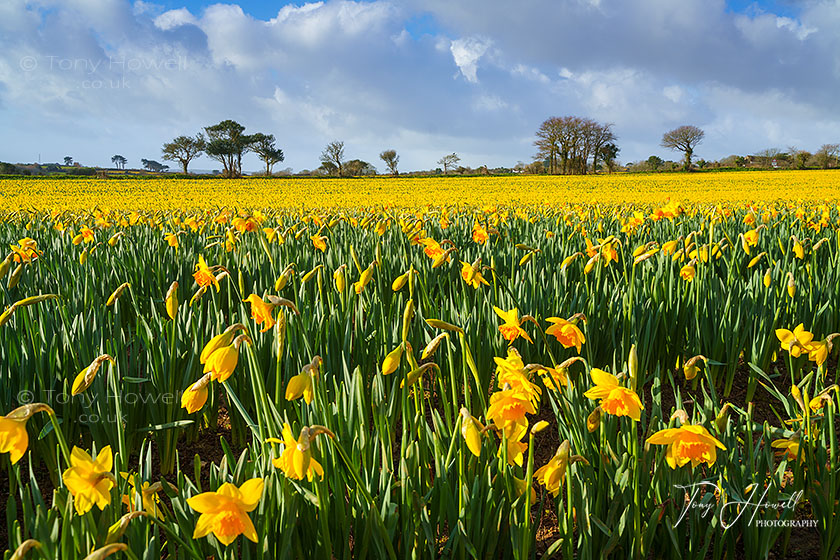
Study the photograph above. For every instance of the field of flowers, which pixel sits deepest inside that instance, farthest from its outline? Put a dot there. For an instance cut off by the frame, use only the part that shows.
(626, 367)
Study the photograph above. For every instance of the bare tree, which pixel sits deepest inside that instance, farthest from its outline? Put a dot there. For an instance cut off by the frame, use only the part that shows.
(332, 157)
(449, 161)
(827, 154)
(566, 144)
(184, 149)
(684, 139)
(391, 159)
(767, 156)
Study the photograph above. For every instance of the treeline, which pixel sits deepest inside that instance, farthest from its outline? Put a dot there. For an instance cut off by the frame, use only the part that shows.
(225, 142)
(826, 157)
(574, 145)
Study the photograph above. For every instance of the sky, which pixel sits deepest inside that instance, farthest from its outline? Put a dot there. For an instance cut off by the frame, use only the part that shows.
(94, 78)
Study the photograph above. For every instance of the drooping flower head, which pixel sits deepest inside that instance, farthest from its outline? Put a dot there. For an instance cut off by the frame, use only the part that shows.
(511, 329)
(204, 275)
(689, 443)
(566, 332)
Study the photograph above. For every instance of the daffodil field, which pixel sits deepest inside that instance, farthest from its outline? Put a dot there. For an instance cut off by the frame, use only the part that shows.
(507, 367)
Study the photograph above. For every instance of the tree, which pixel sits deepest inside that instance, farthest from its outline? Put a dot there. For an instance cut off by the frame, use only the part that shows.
(263, 145)
(153, 165)
(609, 152)
(767, 156)
(598, 136)
(332, 158)
(184, 149)
(827, 154)
(226, 143)
(357, 168)
(684, 139)
(391, 159)
(565, 144)
(448, 161)
(68, 161)
(654, 163)
(119, 161)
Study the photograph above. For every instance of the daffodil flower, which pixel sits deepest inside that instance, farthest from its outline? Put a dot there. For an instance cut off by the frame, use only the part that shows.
(687, 444)
(511, 328)
(225, 511)
(88, 480)
(614, 399)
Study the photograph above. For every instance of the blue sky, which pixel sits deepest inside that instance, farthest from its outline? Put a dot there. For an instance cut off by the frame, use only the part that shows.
(425, 77)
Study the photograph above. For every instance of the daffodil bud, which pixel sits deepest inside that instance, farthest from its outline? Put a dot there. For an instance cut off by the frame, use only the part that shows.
(768, 277)
(15, 277)
(438, 324)
(172, 300)
(392, 360)
(340, 279)
(433, 345)
(633, 367)
(117, 293)
(408, 315)
(539, 426)
(593, 421)
(400, 282)
(118, 529)
(723, 415)
(791, 286)
(5, 265)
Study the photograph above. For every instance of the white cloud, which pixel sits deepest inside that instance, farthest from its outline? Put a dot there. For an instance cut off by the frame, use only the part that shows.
(174, 18)
(466, 53)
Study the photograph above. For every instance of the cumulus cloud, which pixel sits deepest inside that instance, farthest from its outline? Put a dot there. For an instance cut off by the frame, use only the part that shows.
(466, 53)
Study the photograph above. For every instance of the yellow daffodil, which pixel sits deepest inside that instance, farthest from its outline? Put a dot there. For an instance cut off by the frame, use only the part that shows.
(303, 384)
(392, 360)
(14, 439)
(552, 475)
(364, 279)
(261, 312)
(508, 409)
(88, 480)
(225, 511)
(148, 495)
(511, 328)
(614, 399)
(194, 398)
(85, 377)
(204, 275)
(566, 332)
(687, 444)
(296, 460)
(795, 342)
(172, 300)
(471, 430)
(472, 275)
